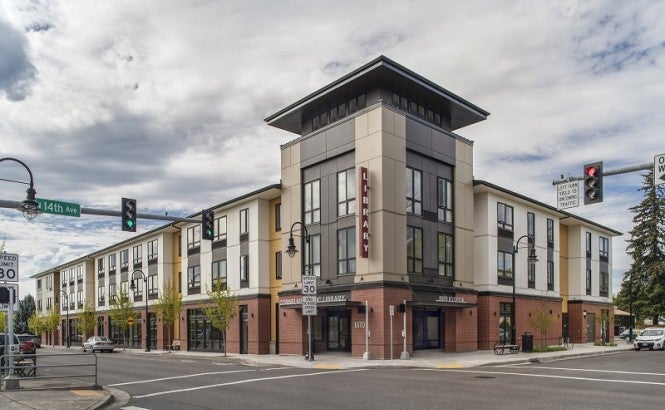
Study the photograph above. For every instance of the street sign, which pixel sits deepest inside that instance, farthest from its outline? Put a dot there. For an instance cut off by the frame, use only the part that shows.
(391, 309)
(50, 206)
(309, 305)
(567, 195)
(309, 285)
(130, 321)
(659, 169)
(8, 267)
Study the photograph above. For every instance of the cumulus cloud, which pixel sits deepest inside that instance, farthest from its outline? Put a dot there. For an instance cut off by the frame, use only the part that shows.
(17, 73)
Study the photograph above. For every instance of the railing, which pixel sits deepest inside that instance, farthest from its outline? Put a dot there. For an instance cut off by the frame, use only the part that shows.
(50, 370)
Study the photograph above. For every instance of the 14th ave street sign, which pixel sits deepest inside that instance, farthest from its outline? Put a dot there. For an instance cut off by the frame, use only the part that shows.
(49, 206)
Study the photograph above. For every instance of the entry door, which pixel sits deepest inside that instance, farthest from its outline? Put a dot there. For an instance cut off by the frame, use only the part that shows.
(426, 329)
(243, 329)
(590, 327)
(339, 336)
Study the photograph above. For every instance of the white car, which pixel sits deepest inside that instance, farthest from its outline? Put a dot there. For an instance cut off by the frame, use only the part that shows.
(651, 338)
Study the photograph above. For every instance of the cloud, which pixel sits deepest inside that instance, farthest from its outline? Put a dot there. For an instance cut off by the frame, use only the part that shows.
(17, 73)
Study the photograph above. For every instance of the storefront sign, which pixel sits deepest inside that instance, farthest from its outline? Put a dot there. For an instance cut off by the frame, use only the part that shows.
(450, 299)
(327, 299)
(364, 213)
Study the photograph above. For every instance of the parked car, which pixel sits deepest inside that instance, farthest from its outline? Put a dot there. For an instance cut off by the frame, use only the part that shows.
(37, 340)
(99, 344)
(4, 338)
(652, 338)
(27, 345)
(625, 334)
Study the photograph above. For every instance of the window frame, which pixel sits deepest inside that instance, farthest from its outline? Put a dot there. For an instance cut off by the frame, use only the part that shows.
(505, 216)
(445, 200)
(504, 265)
(312, 202)
(346, 251)
(194, 237)
(137, 255)
(414, 191)
(244, 221)
(244, 268)
(221, 228)
(447, 260)
(219, 275)
(414, 249)
(346, 201)
(153, 249)
(194, 279)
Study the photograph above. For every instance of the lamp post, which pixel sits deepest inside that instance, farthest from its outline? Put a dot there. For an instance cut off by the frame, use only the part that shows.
(29, 207)
(531, 260)
(65, 297)
(291, 251)
(145, 296)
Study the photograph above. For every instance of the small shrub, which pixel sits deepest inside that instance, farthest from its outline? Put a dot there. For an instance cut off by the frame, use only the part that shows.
(545, 349)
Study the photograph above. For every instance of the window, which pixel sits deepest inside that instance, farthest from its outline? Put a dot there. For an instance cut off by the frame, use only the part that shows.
(530, 226)
(315, 244)
(220, 228)
(550, 233)
(79, 273)
(123, 288)
(244, 268)
(531, 275)
(100, 295)
(446, 255)
(604, 247)
(138, 287)
(153, 250)
(504, 216)
(550, 275)
(505, 322)
(445, 200)
(112, 262)
(152, 285)
(414, 191)
(49, 303)
(604, 283)
(312, 202)
(39, 284)
(588, 282)
(194, 279)
(79, 299)
(39, 304)
(137, 256)
(244, 221)
(278, 265)
(194, 237)
(49, 282)
(414, 250)
(124, 258)
(278, 217)
(112, 294)
(219, 277)
(346, 192)
(346, 251)
(63, 278)
(100, 266)
(504, 262)
(588, 244)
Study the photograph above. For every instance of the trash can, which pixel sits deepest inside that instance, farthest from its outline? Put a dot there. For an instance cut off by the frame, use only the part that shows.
(527, 343)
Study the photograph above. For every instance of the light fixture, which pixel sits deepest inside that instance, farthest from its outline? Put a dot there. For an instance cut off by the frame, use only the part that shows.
(29, 207)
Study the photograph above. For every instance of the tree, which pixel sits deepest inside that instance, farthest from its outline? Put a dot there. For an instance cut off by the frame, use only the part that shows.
(26, 308)
(2, 321)
(542, 321)
(87, 321)
(224, 308)
(51, 323)
(644, 283)
(37, 324)
(169, 305)
(121, 310)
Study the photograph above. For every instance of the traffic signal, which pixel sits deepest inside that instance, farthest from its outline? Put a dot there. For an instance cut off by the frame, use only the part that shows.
(208, 224)
(128, 214)
(4, 295)
(593, 183)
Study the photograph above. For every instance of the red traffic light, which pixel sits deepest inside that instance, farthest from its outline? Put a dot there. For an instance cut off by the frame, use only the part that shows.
(590, 170)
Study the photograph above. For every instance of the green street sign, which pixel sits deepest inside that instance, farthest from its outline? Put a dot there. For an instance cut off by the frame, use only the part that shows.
(49, 206)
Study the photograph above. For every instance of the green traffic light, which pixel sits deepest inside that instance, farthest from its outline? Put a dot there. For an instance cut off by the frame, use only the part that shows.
(209, 232)
(130, 223)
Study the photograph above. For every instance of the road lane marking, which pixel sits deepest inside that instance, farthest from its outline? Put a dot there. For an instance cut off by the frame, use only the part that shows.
(549, 376)
(179, 377)
(591, 371)
(261, 379)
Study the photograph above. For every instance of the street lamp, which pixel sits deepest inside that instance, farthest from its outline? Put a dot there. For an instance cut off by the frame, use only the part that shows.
(65, 297)
(30, 206)
(531, 260)
(291, 251)
(145, 296)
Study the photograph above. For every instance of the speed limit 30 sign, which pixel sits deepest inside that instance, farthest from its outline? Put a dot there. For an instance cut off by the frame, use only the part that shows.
(8, 267)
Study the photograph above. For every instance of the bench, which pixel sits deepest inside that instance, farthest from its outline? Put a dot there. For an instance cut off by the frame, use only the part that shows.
(175, 345)
(501, 348)
(26, 366)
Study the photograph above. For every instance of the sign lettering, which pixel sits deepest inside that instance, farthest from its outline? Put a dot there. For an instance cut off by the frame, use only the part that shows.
(364, 213)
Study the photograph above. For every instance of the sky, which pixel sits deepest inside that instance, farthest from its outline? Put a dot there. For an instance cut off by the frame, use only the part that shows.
(164, 101)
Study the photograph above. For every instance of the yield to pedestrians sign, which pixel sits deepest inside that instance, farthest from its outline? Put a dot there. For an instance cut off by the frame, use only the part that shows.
(659, 169)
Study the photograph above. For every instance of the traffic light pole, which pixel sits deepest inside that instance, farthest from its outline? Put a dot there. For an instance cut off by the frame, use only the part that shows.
(641, 167)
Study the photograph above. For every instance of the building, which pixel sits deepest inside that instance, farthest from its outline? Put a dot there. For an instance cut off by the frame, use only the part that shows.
(377, 196)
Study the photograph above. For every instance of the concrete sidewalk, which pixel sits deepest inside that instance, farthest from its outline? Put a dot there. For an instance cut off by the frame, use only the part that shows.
(57, 396)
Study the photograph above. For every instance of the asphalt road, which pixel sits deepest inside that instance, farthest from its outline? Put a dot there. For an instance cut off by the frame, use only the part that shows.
(624, 380)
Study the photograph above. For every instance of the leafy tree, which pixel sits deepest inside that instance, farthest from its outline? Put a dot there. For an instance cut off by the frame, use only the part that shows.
(644, 283)
(2, 321)
(224, 308)
(87, 321)
(169, 305)
(121, 310)
(37, 324)
(542, 321)
(51, 323)
(26, 308)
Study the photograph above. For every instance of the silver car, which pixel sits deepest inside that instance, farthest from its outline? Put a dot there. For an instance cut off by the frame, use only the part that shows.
(99, 344)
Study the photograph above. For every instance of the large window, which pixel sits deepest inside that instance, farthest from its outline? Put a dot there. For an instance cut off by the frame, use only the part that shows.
(550, 233)
(504, 216)
(550, 275)
(220, 228)
(112, 292)
(531, 226)
(278, 265)
(219, 278)
(588, 244)
(346, 192)
(315, 243)
(153, 250)
(604, 283)
(244, 221)
(414, 250)
(112, 262)
(137, 255)
(445, 200)
(100, 266)
(79, 273)
(504, 264)
(124, 258)
(414, 191)
(244, 268)
(100, 295)
(446, 267)
(194, 237)
(588, 282)
(152, 286)
(346, 251)
(604, 247)
(193, 279)
(312, 202)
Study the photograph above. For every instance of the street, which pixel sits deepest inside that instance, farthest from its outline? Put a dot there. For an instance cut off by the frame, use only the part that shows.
(623, 380)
